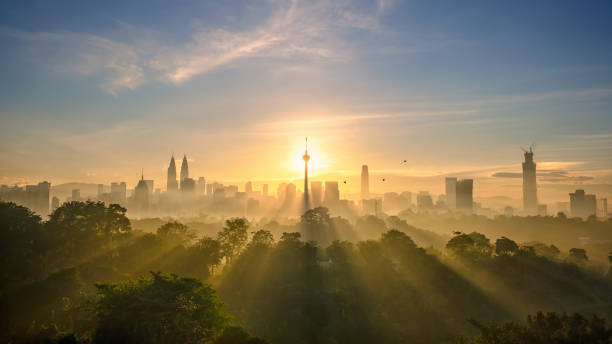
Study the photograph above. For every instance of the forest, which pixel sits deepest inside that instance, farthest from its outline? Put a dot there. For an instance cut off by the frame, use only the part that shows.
(88, 274)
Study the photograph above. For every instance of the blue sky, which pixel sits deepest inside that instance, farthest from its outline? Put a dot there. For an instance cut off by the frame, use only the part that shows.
(93, 92)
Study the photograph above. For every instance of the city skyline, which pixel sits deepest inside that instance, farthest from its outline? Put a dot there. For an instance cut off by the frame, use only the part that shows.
(96, 97)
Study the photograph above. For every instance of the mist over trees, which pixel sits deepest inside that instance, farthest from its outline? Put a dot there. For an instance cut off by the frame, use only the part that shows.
(88, 274)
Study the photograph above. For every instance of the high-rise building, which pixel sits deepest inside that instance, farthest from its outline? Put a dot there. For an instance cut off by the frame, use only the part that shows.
(172, 184)
(55, 203)
(118, 193)
(265, 190)
(248, 188)
(100, 190)
(365, 182)
(530, 189)
(184, 169)
(332, 193)
(141, 196)
(35, 197)
(201, 186)
(306, 158)
(451, 193)
(424, 200)
(464, 194)
(188, 185)
(150, 184)
(316, 193)
(602, 207)
(372, 206)
(76, 195)
(290, 193)
(582, 205)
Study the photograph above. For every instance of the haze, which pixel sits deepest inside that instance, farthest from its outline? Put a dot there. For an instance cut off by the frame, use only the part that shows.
(94, 94)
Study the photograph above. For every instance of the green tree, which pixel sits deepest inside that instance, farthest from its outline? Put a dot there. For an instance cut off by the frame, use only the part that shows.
(577, 255)
(158, 309)
(262, 238)
(233, 237)
(77, 230)
(237, 335)
(208, 253)
(22, 245)
(544, 328)
(175, 233)
(505, 246)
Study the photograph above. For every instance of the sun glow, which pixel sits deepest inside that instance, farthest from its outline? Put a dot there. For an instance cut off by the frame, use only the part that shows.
(317, 162)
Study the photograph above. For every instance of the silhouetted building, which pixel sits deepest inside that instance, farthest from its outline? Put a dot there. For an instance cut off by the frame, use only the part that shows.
(76, 195)
(141, 196)
(172, 184)
(150, 186)
(35, 197)
(316, 193)
(424, 200)
(602, 207)
(306, 158)
(188, 186)
(290, 193)
(55, 203)
(372, 206)
(100, 190)
(464, 194)
(542, 210)
(582, 205)
(332, 193)
(248, 188)
(184, 169)
(265, 190)
(451, 192)
(365, 182)
(530, 189)
(118, 193)
(201, 186)
(508, 211)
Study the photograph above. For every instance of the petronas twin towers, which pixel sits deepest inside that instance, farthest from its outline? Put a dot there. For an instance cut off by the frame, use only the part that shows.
(172, 184)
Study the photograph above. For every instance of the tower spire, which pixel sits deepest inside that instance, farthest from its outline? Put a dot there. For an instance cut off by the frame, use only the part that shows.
(141, 173)
(306, 158)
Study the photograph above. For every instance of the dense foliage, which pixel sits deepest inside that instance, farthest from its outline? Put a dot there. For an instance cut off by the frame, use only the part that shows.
(85, 275)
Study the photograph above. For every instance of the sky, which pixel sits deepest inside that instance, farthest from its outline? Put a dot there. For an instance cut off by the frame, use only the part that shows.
(95, 92)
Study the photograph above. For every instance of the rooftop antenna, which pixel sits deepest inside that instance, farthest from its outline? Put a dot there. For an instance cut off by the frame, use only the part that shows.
(142, 174)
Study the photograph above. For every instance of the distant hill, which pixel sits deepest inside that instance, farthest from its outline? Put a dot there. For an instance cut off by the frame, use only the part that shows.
(63, 191)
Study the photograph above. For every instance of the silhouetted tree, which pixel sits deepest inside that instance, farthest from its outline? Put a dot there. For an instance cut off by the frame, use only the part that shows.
(504, 245)
(158, 309)
(577, 255)
(237, 335)
(544, 328)
(262, 238)
(175, 233)
(233, 237)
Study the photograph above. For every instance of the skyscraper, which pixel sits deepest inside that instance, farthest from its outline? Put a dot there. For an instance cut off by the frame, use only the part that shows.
(530, 189)
(332, 193)
(171, 184)
(464, 194)
(306, 158)
(451, 192)
(141, 196)
(582, 205)
(265, 190)
(365, 182)
(184, 168)
(248, 188)
(316, 193)
(201, 186)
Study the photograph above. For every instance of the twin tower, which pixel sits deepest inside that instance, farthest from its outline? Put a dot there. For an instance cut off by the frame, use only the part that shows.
(172, 184)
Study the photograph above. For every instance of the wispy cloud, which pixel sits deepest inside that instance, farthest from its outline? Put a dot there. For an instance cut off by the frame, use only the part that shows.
(294, 28)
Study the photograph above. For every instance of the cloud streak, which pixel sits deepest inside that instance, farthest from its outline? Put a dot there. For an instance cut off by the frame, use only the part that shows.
(294, 29)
